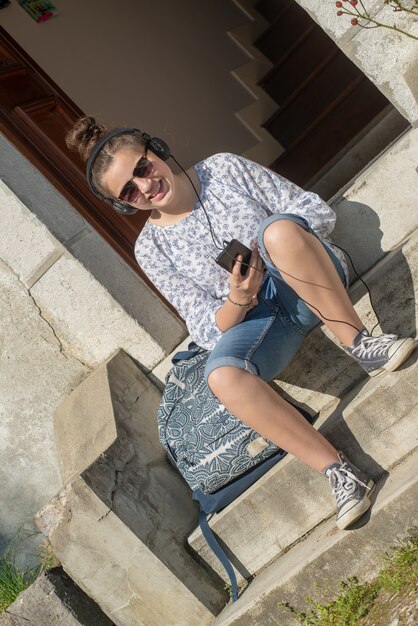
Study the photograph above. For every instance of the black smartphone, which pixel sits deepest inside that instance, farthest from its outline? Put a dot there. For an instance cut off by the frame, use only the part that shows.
(227, 257)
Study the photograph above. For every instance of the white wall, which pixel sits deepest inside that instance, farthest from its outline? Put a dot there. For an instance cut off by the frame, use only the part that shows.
(161, 65)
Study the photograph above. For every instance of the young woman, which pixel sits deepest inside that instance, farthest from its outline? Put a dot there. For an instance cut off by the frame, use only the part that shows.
(253, 321)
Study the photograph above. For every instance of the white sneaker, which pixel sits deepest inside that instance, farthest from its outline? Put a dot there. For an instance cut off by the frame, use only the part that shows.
(384, 352)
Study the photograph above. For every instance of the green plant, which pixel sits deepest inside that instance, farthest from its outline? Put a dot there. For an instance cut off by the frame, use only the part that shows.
(355, 600)
(16, 577)
(13, 579)
(401, 565)
(228, 589)
(361, 17)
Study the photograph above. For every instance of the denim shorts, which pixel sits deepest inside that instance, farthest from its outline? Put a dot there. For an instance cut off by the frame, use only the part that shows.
(271, 334)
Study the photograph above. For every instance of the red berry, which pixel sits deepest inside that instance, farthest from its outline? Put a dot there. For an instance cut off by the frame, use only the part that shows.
(338, 4)
(353, 2)
(354, 21)
(339, 12)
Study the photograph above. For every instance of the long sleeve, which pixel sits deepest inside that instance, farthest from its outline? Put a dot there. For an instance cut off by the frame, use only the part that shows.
(279, 195)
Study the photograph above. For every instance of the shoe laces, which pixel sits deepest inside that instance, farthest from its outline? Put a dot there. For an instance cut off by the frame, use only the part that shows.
(373, 346)
(344, 482)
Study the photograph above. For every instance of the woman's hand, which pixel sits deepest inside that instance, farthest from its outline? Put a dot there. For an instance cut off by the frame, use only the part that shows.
(243, 295)
(244, 289)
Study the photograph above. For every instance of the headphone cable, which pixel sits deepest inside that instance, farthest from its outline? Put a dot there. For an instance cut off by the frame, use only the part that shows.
(212, 234)
(364, 283)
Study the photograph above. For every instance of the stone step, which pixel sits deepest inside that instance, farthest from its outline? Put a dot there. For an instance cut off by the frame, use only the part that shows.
(329, 556)
(357, 414)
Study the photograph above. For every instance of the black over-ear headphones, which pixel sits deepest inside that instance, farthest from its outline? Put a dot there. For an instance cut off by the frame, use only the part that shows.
(155, 145)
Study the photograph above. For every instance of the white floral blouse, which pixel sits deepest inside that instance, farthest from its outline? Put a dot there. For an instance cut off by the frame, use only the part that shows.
(238, 195)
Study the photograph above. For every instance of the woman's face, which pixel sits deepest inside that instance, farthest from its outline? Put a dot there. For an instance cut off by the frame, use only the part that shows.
(154, 191)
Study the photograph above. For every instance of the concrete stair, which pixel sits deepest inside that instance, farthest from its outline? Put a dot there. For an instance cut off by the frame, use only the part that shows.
(373, 420)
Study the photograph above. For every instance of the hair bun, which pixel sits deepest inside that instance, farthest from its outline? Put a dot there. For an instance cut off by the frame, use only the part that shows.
(84, 135)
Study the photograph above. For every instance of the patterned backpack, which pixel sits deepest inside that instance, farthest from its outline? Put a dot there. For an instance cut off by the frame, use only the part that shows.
(217, 455)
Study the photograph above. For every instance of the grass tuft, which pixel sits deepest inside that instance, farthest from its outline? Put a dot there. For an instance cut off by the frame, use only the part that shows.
(401, 565)
(13, 580)
(15, 577)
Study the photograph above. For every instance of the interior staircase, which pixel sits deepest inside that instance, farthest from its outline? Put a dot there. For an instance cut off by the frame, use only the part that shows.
(309, 113)
(281, 532)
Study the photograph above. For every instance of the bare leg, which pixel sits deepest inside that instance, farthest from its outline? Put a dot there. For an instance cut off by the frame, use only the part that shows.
(255, 403)
(306, 267)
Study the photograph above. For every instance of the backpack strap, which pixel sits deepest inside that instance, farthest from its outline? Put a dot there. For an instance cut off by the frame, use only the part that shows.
(219, 552)
(192, 350)
(214, 502)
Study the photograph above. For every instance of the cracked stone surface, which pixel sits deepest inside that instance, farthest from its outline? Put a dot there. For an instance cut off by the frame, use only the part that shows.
(79, 308)
(35, 374)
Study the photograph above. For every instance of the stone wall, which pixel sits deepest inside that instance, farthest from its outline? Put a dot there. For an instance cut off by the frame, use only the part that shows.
(119, 499)
(57, 323)
(85, 244)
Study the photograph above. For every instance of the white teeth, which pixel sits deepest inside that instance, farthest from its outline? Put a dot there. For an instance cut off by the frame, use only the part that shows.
(157, 191)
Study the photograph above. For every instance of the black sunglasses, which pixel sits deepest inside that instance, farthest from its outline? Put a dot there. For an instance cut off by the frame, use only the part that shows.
(130, 190)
